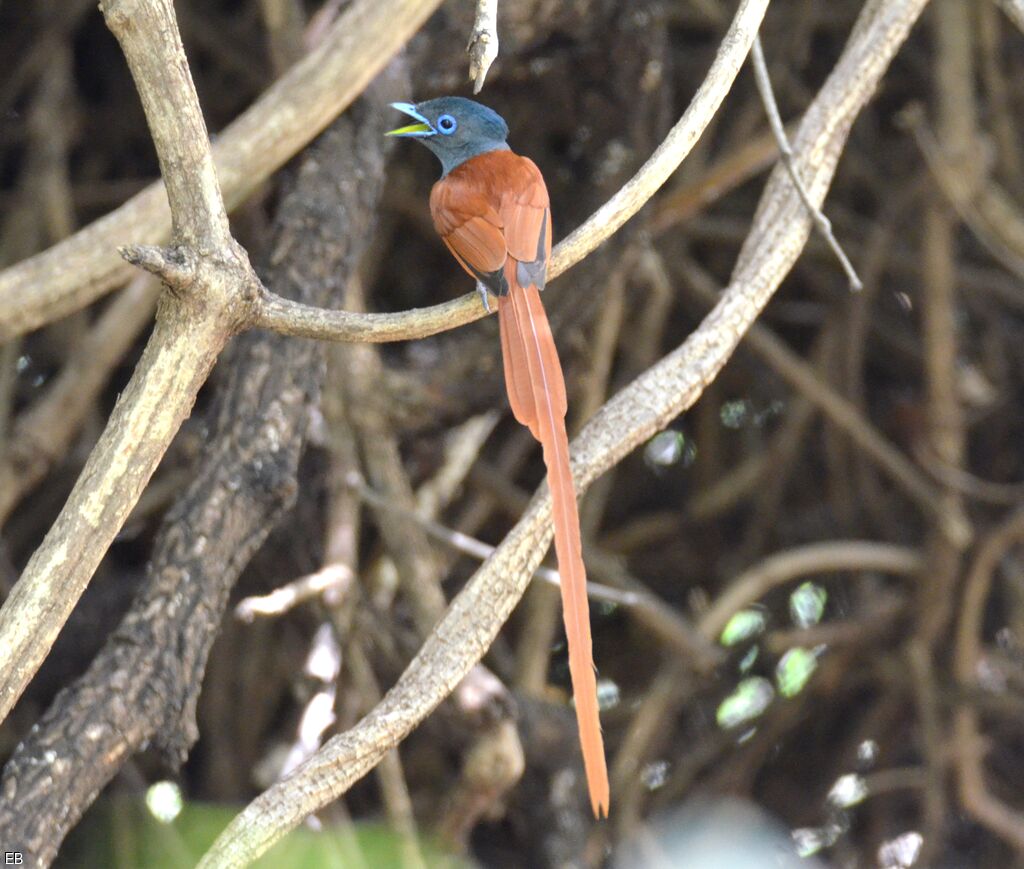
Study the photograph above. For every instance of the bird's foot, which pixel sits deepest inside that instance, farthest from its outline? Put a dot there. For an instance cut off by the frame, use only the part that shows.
(483, 291)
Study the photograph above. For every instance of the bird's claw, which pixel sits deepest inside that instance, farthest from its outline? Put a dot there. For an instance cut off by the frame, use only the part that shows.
(482, 290)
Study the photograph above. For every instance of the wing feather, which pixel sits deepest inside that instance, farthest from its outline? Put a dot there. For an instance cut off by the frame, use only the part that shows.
(469, 225)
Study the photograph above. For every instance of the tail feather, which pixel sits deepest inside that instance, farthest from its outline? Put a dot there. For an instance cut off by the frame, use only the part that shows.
(536, 390)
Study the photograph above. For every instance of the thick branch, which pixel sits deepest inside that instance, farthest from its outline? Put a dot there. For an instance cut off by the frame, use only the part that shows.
(291, 113)
(148, 34)
(43, 432)
(247, 477)
(192, 328)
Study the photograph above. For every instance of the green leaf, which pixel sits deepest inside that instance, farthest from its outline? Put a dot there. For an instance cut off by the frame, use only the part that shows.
(742, 626)
(794, 669)
(749, 659)
(750, 698)
(807, 605)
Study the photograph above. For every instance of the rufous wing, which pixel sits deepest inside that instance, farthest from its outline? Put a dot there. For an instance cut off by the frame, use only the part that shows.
(469, 225)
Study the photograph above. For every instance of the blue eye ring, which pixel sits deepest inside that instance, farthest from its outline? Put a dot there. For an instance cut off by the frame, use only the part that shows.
(446, 124)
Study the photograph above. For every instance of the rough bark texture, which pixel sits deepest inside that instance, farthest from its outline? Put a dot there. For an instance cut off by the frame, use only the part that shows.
(143, 686)
(864, 448)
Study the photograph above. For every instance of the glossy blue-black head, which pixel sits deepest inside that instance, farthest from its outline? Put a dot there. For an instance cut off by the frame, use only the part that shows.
(454, 128)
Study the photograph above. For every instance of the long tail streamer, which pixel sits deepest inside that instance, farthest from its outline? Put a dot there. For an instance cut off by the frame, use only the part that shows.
(536, 391)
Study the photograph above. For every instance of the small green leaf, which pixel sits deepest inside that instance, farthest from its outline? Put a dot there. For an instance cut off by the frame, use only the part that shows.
(794, 669)
(807, 605)
(748, 659)
(742, 626)
(750, 698)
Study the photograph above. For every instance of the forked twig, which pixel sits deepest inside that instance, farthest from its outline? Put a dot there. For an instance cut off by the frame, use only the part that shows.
(821, 222)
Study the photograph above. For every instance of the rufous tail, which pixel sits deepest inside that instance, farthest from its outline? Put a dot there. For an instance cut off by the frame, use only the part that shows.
(536, 391)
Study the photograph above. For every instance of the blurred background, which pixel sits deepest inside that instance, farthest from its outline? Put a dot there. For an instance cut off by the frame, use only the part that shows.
(810, 638)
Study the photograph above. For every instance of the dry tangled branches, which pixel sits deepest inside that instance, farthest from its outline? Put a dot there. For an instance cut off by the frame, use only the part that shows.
(730, 510)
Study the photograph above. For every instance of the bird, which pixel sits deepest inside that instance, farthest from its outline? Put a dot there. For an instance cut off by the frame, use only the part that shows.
(492, 211)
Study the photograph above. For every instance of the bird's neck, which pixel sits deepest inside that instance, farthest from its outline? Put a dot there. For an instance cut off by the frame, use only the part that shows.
(453, 159)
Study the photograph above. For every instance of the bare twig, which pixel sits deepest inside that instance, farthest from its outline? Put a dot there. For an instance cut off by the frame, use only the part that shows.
(821, 222)
(816, 558)
(329, 581)
(975, 795)
(1014, 10)
(483, 43)
(780, 230)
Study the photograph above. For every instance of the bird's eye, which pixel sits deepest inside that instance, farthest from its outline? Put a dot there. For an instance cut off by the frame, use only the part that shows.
(446, 124)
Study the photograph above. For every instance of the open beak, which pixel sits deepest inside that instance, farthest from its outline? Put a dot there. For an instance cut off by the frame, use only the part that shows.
(422, 128)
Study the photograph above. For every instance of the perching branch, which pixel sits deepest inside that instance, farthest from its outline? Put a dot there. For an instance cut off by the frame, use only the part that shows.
(780, 230)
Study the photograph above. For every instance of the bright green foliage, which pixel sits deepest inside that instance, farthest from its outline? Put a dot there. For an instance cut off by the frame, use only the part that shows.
(807, 605)
(750, 698)
(794, 669)
(742, 626)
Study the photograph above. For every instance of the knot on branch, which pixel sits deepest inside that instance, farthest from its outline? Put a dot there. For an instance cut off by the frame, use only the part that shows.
(175, 266)
(483, 51)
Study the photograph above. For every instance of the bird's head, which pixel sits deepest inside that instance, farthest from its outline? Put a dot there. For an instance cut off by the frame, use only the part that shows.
(454, 128)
